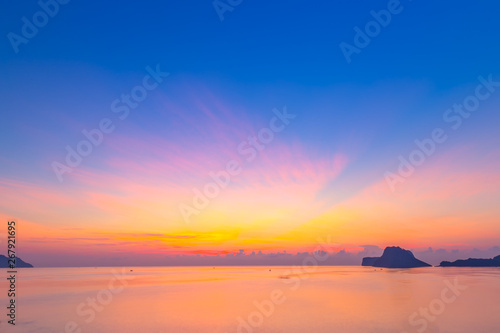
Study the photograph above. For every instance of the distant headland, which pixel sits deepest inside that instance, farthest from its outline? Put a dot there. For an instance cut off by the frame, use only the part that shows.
(472, 262)
(4, 262)
(394, 257)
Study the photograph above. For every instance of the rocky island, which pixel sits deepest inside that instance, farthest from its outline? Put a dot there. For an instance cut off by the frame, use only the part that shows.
(394, 257)
(4, 262)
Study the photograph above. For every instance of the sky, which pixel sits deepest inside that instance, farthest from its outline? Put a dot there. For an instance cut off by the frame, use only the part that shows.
(172, 132)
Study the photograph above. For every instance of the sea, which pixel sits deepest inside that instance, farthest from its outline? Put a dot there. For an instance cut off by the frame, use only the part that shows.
(307, 299)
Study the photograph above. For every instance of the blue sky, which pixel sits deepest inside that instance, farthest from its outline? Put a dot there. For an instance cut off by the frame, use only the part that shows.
(263, 55)
(262, 42)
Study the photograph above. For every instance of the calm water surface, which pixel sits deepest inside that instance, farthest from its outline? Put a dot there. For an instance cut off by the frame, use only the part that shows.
(254, 299)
